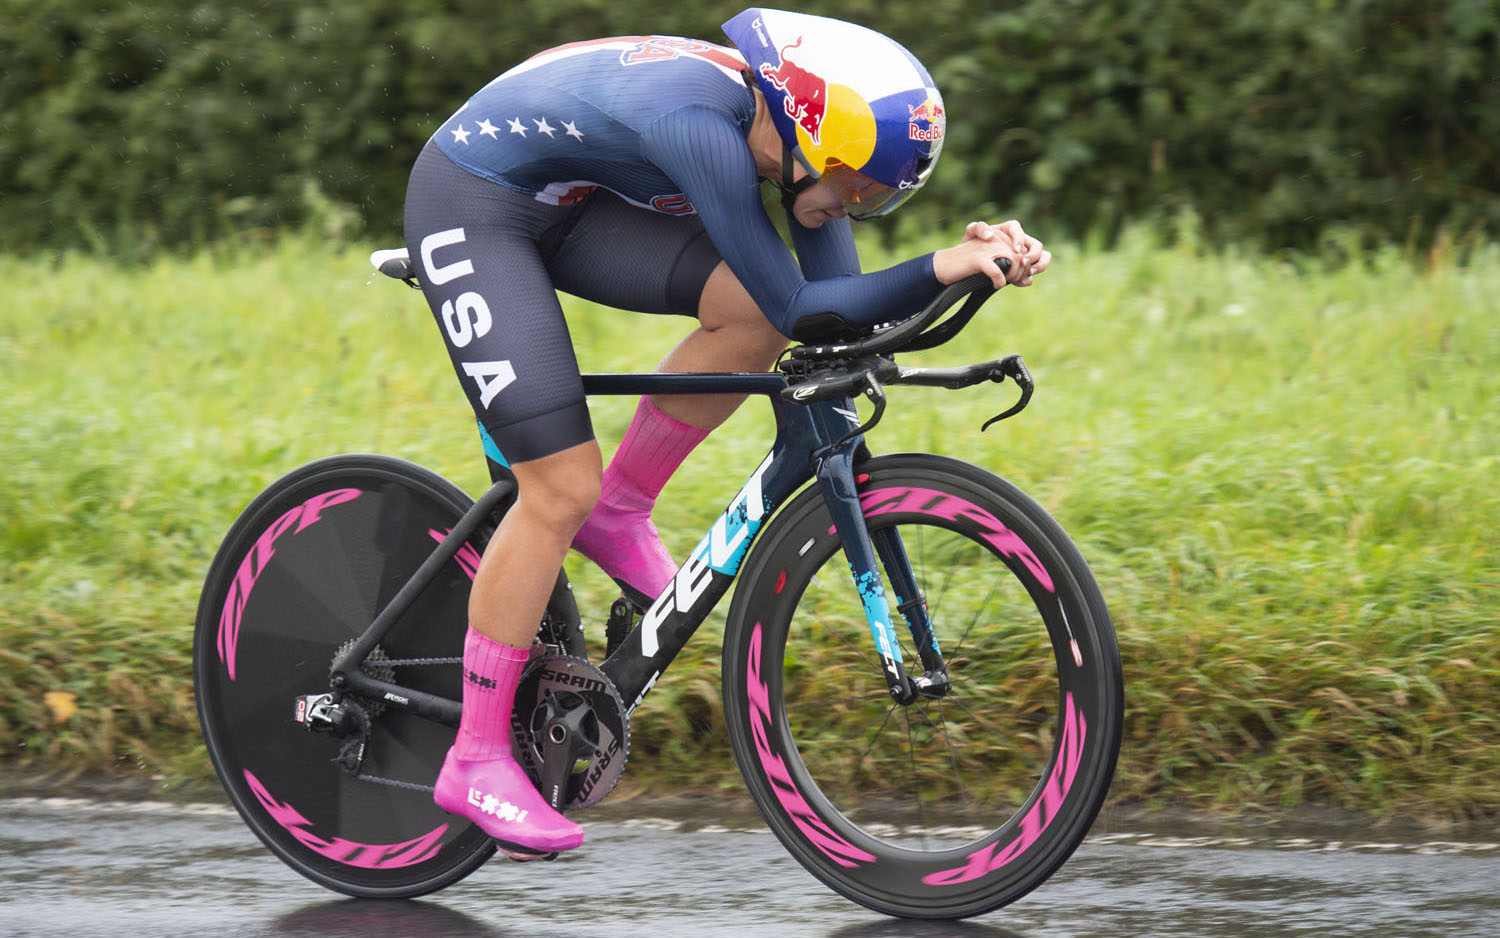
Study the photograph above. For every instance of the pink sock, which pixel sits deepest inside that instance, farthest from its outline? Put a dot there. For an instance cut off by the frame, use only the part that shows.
(619, 535)
(491, 672)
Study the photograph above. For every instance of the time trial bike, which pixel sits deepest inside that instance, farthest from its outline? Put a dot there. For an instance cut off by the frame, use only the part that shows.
(921, 684)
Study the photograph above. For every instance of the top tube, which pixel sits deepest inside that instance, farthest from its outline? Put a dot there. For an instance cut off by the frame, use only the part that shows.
(752, 382)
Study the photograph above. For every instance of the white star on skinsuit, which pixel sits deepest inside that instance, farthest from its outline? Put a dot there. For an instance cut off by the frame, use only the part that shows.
(572, 130)
(461, 135)
(516, 126)
(543, 126)
(486, 129)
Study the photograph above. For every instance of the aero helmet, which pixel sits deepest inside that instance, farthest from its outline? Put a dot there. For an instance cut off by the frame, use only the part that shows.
(857, 109)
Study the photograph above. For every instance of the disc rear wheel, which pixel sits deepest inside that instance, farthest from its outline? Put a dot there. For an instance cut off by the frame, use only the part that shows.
(302, 572)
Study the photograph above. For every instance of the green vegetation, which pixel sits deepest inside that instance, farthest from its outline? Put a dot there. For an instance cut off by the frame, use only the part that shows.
(129, 126)
(1283, 475)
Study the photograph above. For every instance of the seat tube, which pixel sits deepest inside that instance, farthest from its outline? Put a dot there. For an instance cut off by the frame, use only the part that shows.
(835, 472)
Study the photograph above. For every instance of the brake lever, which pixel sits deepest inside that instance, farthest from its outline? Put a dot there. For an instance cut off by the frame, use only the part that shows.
(876, 394)
(1014, 368)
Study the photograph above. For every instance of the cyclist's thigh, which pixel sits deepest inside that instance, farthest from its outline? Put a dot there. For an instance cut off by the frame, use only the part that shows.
(474, 245)
(632, 258)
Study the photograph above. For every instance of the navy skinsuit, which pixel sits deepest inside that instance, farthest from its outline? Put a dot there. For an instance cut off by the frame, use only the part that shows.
(616, 170)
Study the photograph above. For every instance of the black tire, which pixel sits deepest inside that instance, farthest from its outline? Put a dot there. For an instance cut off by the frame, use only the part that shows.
(953, 806)
(302, 571)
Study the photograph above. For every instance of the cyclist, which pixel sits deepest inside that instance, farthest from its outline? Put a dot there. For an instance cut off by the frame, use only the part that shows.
(627, 171)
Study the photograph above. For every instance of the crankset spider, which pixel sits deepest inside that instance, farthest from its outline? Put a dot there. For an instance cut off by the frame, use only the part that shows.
(572, 734)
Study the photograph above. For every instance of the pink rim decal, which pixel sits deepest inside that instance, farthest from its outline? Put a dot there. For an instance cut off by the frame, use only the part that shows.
(347, 852)
(303, 516)
(813, 827)
(951, 508)
(991, 858)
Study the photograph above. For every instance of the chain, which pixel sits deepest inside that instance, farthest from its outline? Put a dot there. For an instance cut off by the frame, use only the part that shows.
(394, 783)
(412, 662)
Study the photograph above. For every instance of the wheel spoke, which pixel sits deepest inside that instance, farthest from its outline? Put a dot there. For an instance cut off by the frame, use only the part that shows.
(941, 727)
(935, 605)
(958, 780)
(976, 717)
(964, 639)
(911, 750)
(874, 738)
(862, 651)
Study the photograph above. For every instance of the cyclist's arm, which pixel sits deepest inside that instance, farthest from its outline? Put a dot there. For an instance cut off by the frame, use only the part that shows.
(824, 252)
(705, 153)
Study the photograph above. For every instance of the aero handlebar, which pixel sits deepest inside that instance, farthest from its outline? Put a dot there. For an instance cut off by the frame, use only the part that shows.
(907, 335)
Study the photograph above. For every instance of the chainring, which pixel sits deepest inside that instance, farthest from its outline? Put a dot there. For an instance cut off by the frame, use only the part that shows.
(575, 682)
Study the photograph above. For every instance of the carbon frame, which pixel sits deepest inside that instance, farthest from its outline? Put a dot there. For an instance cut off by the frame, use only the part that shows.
(803, 450)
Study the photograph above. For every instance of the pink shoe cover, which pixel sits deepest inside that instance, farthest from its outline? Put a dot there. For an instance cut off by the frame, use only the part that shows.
(625, 545)
(481, 779)
(497, 795)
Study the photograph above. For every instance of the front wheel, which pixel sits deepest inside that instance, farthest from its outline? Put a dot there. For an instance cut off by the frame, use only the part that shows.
(961, 802)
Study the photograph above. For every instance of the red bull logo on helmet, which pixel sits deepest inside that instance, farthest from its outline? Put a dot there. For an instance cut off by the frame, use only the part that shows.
(806, 100)
(929, 113)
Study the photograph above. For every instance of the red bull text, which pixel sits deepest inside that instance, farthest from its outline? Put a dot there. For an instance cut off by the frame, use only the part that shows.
(931, 113)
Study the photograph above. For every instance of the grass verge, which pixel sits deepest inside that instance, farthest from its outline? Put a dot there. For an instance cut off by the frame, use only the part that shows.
(1283, 478)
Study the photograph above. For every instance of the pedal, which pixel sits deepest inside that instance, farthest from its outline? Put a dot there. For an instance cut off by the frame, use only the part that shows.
(523, 856)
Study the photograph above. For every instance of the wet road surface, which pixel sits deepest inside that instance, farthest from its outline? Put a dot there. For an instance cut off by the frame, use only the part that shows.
(78, 868)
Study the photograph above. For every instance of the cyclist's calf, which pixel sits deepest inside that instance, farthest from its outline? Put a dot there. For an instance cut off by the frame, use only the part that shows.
(556, 494)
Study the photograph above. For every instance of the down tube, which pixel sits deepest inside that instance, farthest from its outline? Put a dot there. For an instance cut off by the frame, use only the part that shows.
(711, 566)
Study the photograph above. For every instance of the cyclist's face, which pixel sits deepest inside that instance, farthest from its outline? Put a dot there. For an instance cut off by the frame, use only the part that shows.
(816, 205)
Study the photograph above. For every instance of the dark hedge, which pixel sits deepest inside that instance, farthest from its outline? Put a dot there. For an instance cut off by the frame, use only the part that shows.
(160, 123)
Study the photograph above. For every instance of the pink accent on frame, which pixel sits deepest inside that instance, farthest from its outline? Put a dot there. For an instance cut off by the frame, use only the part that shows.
(302, 517)
(347, 852)
(813, 827)
(992, 858)
(951, 508)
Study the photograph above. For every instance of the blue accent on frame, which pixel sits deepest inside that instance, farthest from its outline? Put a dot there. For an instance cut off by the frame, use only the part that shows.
(877, 611)
(732, 562)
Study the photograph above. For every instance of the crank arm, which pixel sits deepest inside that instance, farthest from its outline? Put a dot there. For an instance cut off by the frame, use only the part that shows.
(562, 744)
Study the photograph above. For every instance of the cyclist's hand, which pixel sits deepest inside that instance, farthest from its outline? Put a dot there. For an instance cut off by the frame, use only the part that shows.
(982, 244)
(977, 255)
(1036, 258)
